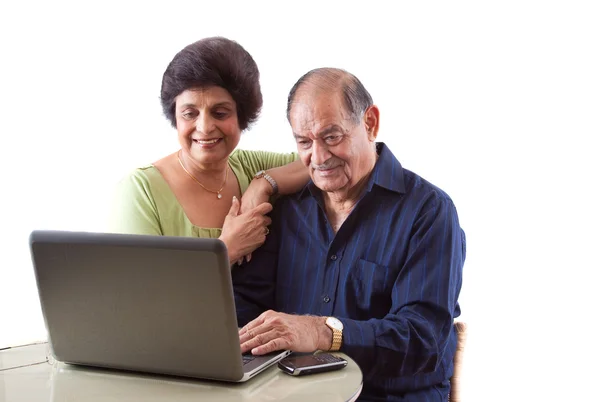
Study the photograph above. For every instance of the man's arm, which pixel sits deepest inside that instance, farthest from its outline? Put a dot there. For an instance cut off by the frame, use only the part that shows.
(413, 336)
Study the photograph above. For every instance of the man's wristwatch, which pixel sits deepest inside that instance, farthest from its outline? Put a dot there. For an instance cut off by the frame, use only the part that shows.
(272, 182)
(337, 327)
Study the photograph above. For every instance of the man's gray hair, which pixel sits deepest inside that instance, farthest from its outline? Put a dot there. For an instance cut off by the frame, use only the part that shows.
(356, 98)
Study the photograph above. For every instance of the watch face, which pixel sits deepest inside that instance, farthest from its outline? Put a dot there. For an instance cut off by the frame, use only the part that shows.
(335, 323)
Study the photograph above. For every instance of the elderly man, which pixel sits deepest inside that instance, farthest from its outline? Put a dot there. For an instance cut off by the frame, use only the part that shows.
(366, 259)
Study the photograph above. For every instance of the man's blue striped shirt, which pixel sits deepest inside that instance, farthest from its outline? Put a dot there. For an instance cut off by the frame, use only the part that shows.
(392, 274)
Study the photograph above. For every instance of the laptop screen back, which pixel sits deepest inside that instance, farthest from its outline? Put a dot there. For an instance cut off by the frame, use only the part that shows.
(143, 303)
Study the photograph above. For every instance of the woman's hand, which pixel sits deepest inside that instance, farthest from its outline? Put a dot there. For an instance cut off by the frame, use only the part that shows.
(244, 232)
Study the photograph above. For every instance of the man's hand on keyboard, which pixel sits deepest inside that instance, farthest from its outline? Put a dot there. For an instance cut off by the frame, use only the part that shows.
(273, 331)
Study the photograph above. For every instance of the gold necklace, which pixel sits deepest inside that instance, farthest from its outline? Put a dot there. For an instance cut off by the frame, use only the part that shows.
(218, 192)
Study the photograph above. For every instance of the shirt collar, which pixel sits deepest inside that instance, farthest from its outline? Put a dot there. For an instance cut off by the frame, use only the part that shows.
(387, 173)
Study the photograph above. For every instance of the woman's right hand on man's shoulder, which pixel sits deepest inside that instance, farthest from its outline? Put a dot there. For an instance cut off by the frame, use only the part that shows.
(243, 233)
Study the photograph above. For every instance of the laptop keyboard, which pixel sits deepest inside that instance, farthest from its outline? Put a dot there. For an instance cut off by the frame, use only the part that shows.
(247, 358)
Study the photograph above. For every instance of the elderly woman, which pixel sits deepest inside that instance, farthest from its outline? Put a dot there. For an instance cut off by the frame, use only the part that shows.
(210, 93)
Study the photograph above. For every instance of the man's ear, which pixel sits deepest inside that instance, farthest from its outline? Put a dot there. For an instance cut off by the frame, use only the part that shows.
(371, 121)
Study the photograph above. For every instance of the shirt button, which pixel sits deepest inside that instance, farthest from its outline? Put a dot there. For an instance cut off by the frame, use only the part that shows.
(326, 299)
(333, 257)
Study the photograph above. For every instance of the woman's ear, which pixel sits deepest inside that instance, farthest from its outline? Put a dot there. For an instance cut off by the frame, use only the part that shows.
(371, 120)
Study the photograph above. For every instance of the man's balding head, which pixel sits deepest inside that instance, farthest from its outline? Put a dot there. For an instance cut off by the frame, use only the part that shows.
(356, 99)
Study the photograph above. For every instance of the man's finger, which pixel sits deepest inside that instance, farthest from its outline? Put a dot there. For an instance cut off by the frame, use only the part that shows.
(252, 324)
(259, 339)
(252, 333)
(271, 346)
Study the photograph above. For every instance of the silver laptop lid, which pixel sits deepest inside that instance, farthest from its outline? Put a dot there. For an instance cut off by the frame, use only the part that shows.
(144, 303)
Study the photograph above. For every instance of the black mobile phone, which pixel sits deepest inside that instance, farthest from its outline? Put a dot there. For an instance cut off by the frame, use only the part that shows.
(311, 364)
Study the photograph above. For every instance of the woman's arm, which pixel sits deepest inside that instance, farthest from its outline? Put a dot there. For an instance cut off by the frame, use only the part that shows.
(286, 170)
(290, 178)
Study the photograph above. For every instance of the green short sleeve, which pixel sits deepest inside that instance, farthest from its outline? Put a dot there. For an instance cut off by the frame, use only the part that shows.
(133, 208)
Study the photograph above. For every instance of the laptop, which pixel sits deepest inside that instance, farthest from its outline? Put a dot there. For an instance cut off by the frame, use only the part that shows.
(153, 304)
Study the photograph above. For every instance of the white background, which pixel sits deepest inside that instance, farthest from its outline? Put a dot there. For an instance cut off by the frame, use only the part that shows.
(497, 104)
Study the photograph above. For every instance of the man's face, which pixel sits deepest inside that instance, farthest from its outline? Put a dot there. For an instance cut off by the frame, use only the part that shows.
(337, 151)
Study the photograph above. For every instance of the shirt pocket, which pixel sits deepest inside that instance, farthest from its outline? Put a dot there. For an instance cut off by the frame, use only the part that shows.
(370, 285)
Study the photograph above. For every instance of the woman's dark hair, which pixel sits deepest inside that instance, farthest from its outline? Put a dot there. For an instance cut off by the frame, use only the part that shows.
(215, 61)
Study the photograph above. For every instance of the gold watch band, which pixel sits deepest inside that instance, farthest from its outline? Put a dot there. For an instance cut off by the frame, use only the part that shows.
(336, 344)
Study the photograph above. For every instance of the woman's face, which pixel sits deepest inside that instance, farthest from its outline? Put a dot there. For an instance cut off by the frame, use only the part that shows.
(207, 124)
